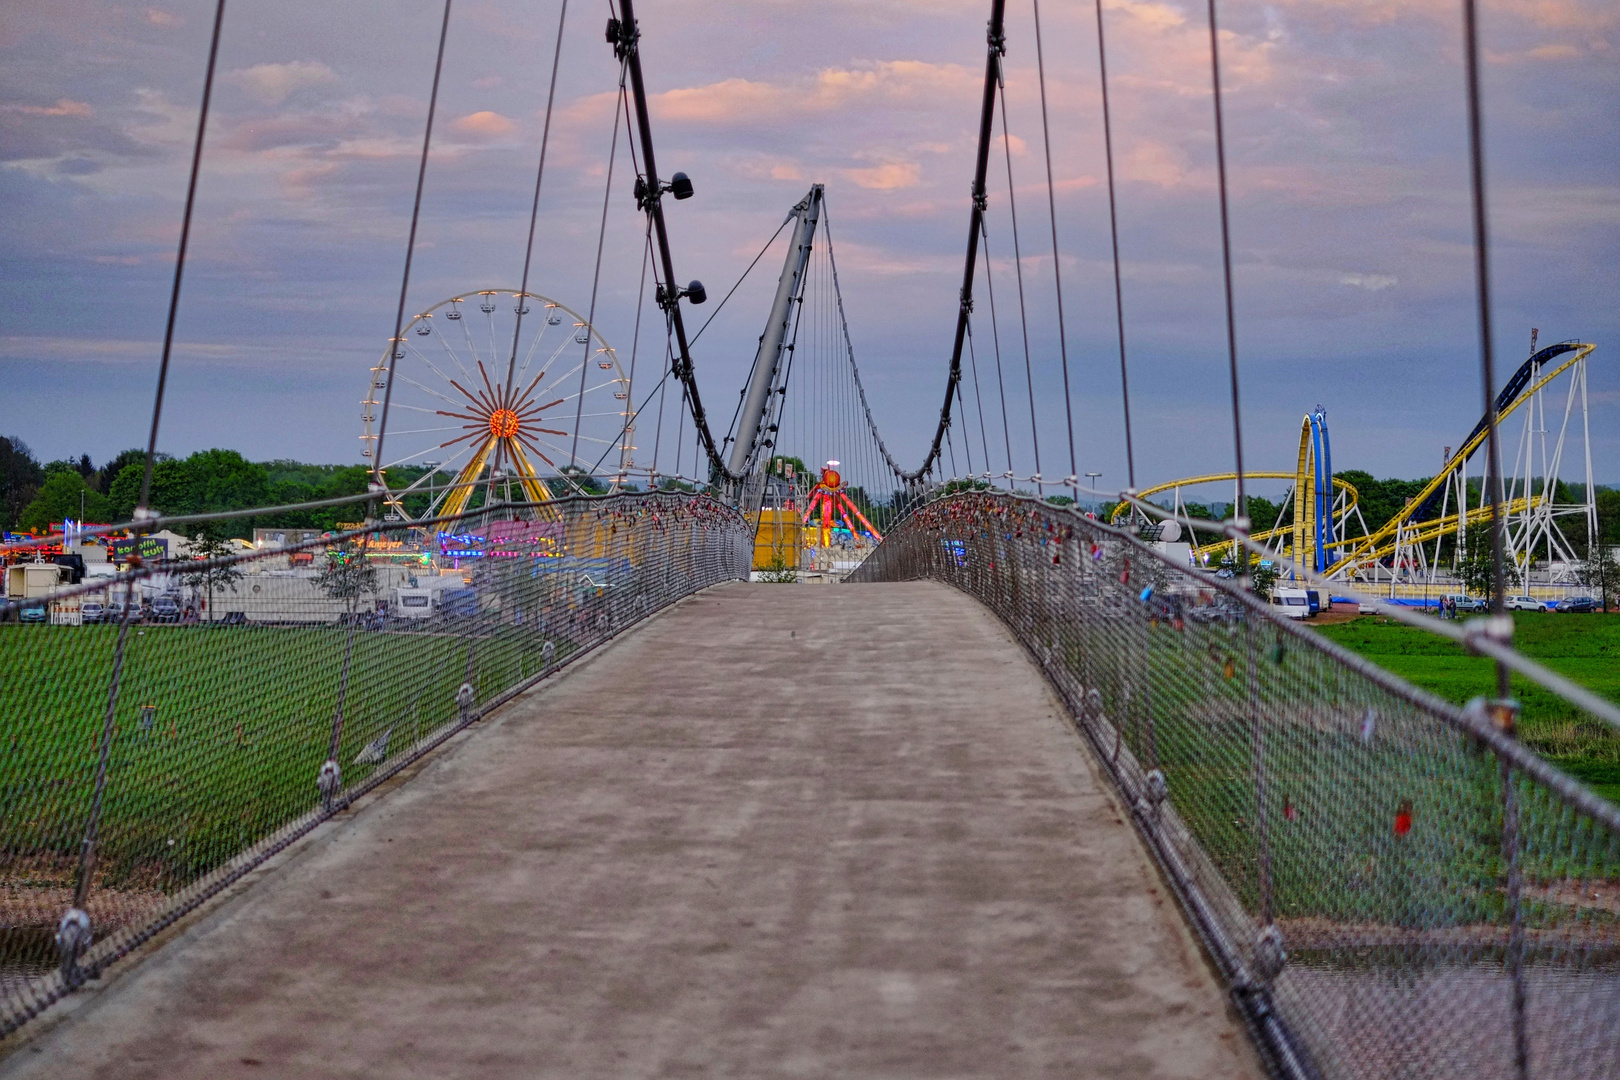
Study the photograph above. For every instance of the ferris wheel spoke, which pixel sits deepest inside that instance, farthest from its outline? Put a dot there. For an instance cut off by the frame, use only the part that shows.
(477, 399)
(528, 358)
(489, 317)
(428, 389)
(552, 359)
(431, 366)
(416, 408)
(472, 350)
(403, 460)
(422, 431)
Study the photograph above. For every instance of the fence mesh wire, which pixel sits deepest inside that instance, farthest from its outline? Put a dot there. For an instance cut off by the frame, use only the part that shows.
(1390, 886)
(255, 694)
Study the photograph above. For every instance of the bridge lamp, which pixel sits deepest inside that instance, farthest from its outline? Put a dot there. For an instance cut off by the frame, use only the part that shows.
(694, 290)
(680, 186)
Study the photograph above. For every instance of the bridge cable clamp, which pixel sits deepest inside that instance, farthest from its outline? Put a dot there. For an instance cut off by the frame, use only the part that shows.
(1497, 628)
(73, 937)
(1269, 954)
(1499, 713)
(329, 781)
(1156, 788)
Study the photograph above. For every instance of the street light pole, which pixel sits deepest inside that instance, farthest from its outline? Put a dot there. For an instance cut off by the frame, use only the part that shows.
(1093, 476)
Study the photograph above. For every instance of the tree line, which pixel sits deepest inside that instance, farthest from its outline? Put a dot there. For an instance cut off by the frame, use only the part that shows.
(35, 495)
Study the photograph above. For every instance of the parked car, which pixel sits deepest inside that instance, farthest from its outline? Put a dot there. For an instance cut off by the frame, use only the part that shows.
(113, 612)
(1525, 603)
(1577, 604)
(234, 618)
(1467, 604)
(91, 611)
(34, 611)
(1367, 607)
(166, 609)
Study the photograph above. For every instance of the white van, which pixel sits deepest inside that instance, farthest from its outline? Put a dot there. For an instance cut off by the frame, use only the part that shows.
(412, 603)
(1291, 603)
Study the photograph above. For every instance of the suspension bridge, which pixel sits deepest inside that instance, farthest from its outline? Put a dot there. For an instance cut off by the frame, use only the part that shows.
(531, 778)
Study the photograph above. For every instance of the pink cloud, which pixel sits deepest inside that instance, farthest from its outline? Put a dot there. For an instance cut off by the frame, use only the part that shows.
(484, 124)
(887, 177)
(63, 107)
(892, 82)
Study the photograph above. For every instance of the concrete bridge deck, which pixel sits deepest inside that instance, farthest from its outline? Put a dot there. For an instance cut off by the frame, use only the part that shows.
(775, 832)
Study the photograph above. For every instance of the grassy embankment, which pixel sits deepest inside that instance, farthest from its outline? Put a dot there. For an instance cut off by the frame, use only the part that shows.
(1584, 648)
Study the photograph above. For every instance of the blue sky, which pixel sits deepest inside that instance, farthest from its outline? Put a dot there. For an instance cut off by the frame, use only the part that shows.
(1346, 150)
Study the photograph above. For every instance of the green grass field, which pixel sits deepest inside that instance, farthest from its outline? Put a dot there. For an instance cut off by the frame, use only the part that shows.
(1584, 648)
(240, 723)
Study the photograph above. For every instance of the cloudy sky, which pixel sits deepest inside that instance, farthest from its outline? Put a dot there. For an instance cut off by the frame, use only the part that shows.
(1346, 150)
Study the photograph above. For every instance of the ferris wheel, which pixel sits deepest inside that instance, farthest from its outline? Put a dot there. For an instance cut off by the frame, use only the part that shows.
(511, 393)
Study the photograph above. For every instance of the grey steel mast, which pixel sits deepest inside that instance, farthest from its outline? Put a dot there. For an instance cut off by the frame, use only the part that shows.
(772, 343)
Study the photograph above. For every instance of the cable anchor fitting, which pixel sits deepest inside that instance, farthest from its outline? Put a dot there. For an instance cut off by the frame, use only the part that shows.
(1269, 954)
(329, 781)
(72, 939)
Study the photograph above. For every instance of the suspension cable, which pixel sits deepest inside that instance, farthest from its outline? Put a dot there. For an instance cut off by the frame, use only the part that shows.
(1018, 268)
(978, 395)
(995, 340)
(1241, 511)
(995, 40)
(1057, 262)
(849, 346)
(741, 279)
(1487, 349)
(142, 509)
(625, 35)
(539, 175)
(1113, 228)
(394, 344)
(596, 275)
(635, 345)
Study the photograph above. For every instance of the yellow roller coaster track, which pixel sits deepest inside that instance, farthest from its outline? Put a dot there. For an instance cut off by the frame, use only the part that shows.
(1354, 497)
(1366, 550)
(1382, 542)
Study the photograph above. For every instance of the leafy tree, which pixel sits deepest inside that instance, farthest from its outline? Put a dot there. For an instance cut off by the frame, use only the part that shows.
(64, 495)
(109, 472)
(1263, 513)
(346, 575)
(1608, 511)
(1475, 564)
(1600, 572)
(20, 478)
(1262, 577)
(574, 476)
(209, 546)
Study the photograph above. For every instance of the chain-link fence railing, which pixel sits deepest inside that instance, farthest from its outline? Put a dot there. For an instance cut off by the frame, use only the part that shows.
(166, 730)
(1390, 886)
